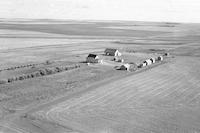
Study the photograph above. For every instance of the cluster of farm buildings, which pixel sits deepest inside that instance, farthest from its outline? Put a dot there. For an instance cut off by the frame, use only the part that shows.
(94, 58)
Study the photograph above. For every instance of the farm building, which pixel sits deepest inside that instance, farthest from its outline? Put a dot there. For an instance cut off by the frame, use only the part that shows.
(153, 60)
(112, 52)
(92, 58)
(160, 58)
(147, 62)
(144, 64)
(125, 67)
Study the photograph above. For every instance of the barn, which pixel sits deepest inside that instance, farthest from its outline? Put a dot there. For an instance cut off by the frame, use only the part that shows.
(125, 67)
(160, 58)
(92, 58)
(112, 52)
(153, 60)
(148, 62)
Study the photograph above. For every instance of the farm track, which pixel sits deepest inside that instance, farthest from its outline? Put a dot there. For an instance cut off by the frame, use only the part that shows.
(146, 102)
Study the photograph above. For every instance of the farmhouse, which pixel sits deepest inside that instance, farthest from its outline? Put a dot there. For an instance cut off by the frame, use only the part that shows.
(125, 67)
(153, 60)
(92, 58)
(112, 52)
(148, 62)
(160, 58)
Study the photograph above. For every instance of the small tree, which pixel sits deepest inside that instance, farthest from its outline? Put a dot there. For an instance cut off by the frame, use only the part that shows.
(42, 72)
(21, 77)
(32, 75)
(37, 74)
(48, 71)
(58, 69)
(28, 76)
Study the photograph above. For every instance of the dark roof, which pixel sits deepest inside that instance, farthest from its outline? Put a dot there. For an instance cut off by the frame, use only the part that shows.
(110, 50)
(92, 55)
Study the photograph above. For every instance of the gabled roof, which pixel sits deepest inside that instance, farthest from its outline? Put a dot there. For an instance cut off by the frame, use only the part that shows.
(108, 50)
(93, 55)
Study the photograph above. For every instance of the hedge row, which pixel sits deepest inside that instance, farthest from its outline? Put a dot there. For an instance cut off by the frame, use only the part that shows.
(42, 72)
(17, 67)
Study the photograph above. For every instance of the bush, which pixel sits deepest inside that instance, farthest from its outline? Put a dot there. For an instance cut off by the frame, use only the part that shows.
(16, 78)
(49, 71)
(32, 75)
(11, 80)
(58, 69)
(28, 76)
(66, 68)
(47, 62)
(42, 72)
(77, 66)
(21, 77)
(37, 74)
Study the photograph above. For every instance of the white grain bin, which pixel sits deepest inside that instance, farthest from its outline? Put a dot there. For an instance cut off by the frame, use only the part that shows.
(160, 58)
(148, 62)
(144, 64)
(153, 60)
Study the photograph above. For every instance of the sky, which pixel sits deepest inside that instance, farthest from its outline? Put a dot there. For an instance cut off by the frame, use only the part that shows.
(139, 10)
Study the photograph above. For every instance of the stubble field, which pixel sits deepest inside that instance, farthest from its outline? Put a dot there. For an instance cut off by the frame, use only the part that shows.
(162, 98)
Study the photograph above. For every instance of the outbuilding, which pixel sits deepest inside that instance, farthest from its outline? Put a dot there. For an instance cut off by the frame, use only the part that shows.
(112, 52)
(144, 64)
(160, 58)
(125, 67)
(92, 58)
(153, 60)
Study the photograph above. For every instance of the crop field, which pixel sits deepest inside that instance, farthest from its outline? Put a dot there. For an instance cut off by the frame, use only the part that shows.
(46, 86)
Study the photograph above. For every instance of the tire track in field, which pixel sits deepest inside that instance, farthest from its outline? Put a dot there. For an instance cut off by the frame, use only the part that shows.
(146, 116)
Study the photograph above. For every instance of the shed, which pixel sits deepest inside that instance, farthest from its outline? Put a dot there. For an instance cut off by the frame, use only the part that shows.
(112, 52)
(147, 62)
(125, 67)
(153, 60)
(160, 58)
(92, 58)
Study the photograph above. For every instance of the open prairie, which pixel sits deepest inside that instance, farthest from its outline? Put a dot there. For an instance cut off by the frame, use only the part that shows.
(46, 86)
